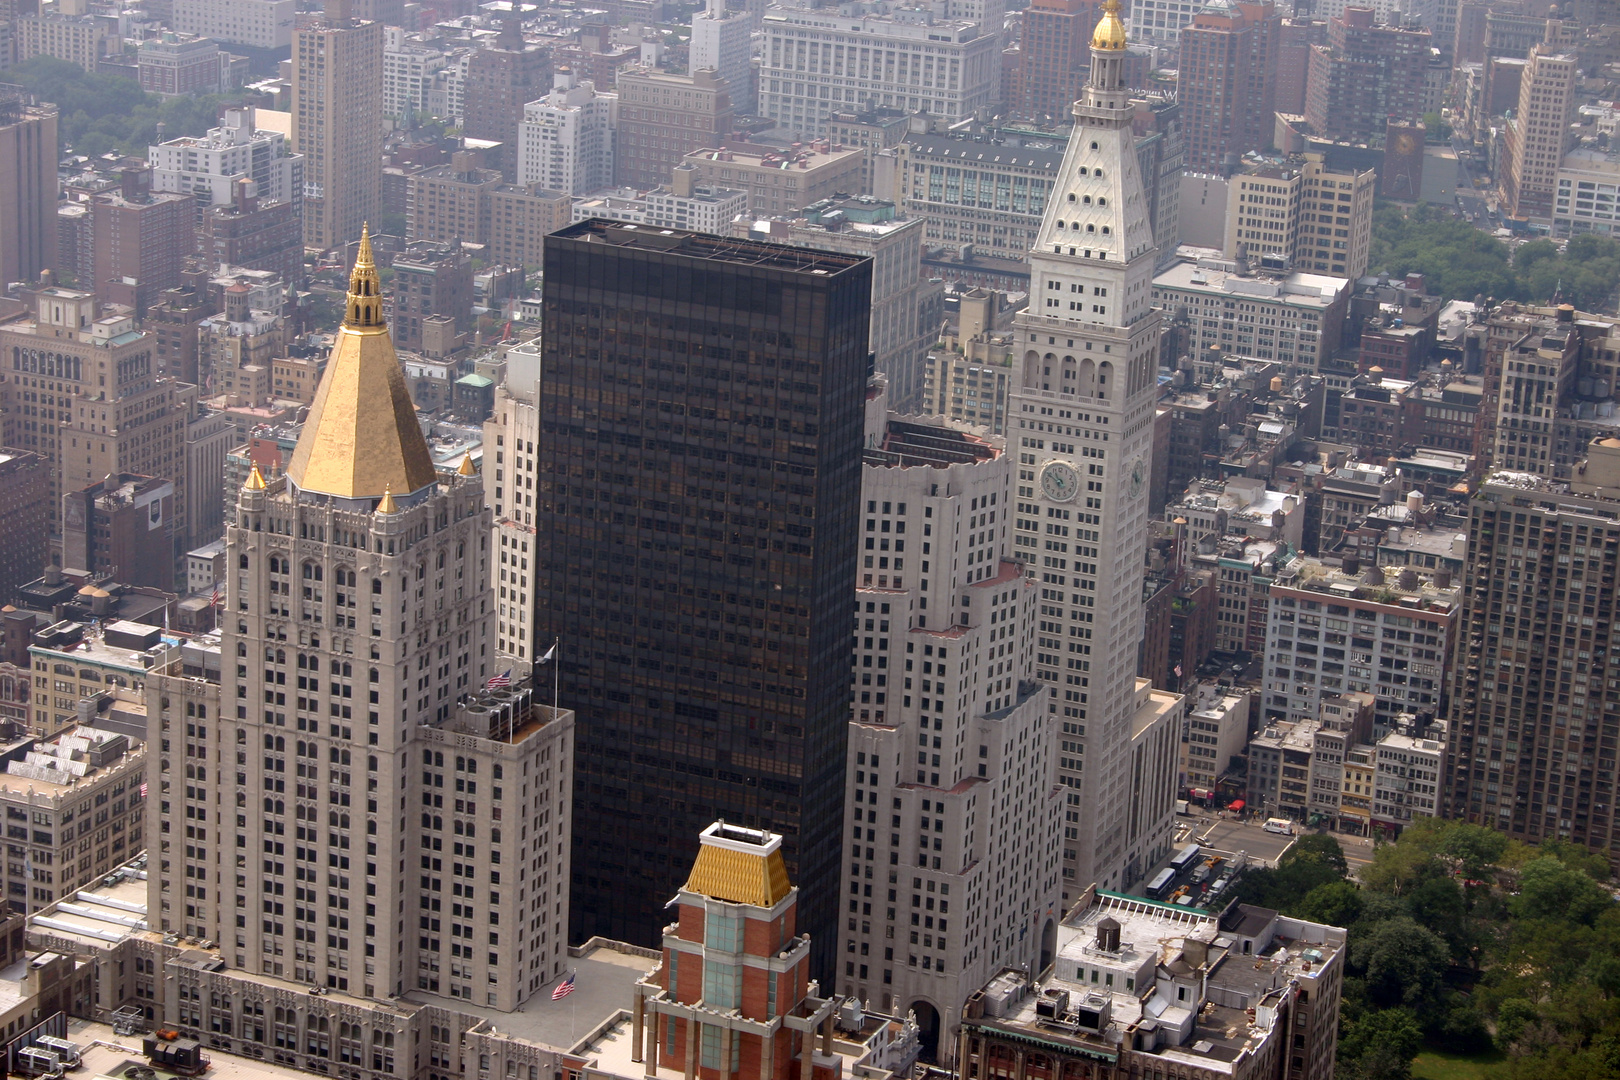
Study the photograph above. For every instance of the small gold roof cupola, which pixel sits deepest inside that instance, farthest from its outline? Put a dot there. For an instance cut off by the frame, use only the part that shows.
(1110, 32)
(467, 468)
(255, 480)
(739, 866)
(386, 504)
(361, 437)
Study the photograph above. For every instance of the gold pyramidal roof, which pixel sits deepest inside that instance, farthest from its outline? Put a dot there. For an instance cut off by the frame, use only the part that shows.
(361, 438)
(740, 866)
(1110, 32)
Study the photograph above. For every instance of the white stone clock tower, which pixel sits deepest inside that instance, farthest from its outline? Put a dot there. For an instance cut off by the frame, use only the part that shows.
(1081, 421)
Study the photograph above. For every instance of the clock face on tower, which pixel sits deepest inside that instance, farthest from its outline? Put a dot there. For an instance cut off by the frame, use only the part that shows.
(1059, 481)
(1137, 479)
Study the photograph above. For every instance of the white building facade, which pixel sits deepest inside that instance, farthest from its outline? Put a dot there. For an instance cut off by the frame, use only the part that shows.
(1080, 419)
(817, 62)
(207, 166)
(723, 40)
(409, 72)
(261, 24)
(565, 141)
(952, 808)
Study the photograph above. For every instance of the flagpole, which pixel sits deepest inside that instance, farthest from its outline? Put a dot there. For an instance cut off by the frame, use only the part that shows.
(556, 673)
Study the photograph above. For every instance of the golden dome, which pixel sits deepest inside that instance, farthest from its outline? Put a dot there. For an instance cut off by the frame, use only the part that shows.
(467, 468)
(1110, 32)
(255, 480)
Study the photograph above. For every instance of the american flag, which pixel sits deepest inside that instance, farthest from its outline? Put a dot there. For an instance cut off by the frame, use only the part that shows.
(564, 988)
(503, 679)
(143, 790)
(215, 601)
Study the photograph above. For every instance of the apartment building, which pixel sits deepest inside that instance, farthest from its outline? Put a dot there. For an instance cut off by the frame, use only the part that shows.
(566, 141)
(1330, 631)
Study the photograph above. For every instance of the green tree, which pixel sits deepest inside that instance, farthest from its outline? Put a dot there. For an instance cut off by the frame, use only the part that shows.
(1337, 903)
(1379, 1046)
(1402, 961)
(1324, 847)
(1550, 890)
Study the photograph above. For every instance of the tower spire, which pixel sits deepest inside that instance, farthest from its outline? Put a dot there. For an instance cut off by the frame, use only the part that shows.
(362, 439)
(364, 310)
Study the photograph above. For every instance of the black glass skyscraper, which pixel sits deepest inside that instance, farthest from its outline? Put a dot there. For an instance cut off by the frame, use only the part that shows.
(697, 510)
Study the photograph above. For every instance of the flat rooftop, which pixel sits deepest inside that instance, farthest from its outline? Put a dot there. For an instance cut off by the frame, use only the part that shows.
(117, 1054)
(1300, 290)
(604, 985)
(699, 245)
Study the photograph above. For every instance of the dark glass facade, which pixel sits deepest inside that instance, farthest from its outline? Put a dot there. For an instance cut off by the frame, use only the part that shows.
(702, 406)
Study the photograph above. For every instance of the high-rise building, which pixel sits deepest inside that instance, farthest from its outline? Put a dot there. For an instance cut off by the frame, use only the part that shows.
(500, 80)
(366, 571)
(134, 423)
(1308, 661)
(1161, 152)
(429, 279)
(1056, 49)
(947, 66)
(1302, 214)
(1081, 411)
(509, 490)
(943, 671)
(664, 117)
(79, 39)
(255, 234)
(1540, 131)
(450, 203)
(694, 639)
(25, 528)
(520, 217)
(907, 311)
(722, 40)
(566, 141)
(1297, 35)
(28, 150)
(1014, 180)
(1365, 75)
(409, 72)
(1160, 22)
(337, 95)
(1510, 685)
(208, 167)
(122, 528)
(141, 239)
(1225, 82)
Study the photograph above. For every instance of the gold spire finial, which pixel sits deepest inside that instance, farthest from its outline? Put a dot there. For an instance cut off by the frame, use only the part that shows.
(365, 288)
(387, 505)
(466, 467)
(1110, 32)
(255, 480)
